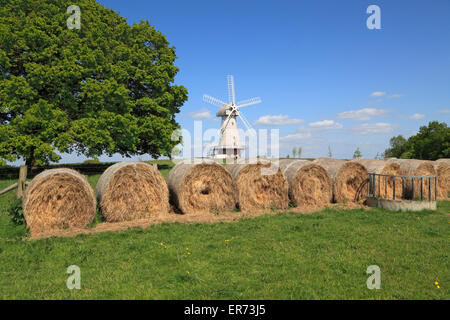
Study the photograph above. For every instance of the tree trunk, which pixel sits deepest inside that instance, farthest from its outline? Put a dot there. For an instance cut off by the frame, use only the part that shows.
(31, 160)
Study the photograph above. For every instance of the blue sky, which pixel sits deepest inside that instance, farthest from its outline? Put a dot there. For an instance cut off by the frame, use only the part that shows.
(310, 60)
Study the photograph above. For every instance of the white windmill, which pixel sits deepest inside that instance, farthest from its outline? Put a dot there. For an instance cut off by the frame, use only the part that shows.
(229, 146)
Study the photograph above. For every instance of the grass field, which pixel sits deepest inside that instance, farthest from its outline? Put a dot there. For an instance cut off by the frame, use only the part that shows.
(323, 255)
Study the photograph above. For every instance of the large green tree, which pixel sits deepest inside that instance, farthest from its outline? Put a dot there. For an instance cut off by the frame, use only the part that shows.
(104, 88)
(430, 143)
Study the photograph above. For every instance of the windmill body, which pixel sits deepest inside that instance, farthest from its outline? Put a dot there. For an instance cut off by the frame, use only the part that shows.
(229, 145)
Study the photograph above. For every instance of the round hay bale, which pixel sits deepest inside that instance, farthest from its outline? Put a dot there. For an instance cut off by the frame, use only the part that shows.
(413, 167)
(58, 199)
(309, 183)
(132, 190)
(384, 185)
(442, 167)
(258, 186)
(349, 179)
(200, 187)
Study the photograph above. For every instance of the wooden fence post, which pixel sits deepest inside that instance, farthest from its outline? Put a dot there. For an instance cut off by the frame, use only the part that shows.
(22, 181)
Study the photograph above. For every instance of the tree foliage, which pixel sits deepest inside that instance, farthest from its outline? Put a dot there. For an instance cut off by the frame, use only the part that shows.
(398, 148)
(432, 142)
(105, 88)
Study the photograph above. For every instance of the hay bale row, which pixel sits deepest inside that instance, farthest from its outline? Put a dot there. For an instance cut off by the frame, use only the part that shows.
(385, 185)
(62, 198)
(260, 185)
(309, 183)
(201, 187)
(349, 179)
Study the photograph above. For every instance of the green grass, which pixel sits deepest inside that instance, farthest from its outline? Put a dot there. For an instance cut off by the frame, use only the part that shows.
(323, 255)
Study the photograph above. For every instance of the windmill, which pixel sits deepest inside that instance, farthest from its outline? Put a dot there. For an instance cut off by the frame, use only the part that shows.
(229, 146)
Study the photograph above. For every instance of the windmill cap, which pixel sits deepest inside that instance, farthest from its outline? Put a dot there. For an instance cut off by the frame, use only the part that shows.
(223, 111)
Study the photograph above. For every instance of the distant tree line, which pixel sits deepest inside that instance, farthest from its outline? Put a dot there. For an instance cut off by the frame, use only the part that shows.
(432, 142)
(296, 153)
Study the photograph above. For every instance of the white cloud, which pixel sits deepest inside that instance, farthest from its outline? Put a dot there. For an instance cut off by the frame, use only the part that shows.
(326, 125)
(444, 111)
(202, 114)
(298, 136)
(375, 128)
(374, 102)
(378, 94)
(417, 116)
(280, 120)
(364, 114)
(396, 95)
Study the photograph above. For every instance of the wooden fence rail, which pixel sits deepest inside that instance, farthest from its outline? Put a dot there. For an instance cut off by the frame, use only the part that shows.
(11, 187)
(20, 185)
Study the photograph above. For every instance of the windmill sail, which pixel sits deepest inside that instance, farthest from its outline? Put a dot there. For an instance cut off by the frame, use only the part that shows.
(231, 94)
(213, 101)
(249, 102)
